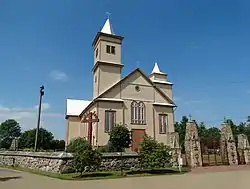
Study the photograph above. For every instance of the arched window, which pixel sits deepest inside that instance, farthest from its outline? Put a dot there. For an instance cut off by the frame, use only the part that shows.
(138, 113)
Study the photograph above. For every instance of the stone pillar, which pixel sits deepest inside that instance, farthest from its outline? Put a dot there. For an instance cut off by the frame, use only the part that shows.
(228, 147)
(173, 142)
(244, 148)
(192, 146)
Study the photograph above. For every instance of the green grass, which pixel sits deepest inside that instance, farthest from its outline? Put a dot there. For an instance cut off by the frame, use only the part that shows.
(104, 175)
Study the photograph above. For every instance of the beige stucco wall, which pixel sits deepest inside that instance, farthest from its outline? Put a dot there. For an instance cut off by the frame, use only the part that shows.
(102, 106)
(105, 57)
(105, 76)
(126, 91)
(148, 95)
(75, 129)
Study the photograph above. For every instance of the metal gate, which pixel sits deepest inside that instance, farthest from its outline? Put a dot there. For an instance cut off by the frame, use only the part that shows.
(214, 153)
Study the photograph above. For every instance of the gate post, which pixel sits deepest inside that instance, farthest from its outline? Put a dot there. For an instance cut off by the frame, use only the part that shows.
(192, 145)
(228, 144)
(173, 142)
(243, 148)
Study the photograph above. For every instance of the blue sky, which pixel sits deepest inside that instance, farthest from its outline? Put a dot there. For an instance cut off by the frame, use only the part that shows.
(203, 46)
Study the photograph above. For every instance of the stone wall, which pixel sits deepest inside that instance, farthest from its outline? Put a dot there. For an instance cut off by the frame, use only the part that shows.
(61, 162)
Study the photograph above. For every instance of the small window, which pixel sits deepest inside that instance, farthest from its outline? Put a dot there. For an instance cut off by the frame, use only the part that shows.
(95, 79)
(108, 49)
(163, 123)
(96, 53)
(113, 50)
(109, 120)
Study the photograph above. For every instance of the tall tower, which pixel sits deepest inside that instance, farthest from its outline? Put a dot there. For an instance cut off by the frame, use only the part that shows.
(107, 59)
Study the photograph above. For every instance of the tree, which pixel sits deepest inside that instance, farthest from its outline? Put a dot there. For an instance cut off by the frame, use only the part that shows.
(153, 154)
(58, 144)
(119, 138)
(180, 128)
(84, 155)
(27, 139)
(9, 129)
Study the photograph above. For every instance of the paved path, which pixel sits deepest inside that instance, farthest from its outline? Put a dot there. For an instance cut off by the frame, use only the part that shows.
(216, 180)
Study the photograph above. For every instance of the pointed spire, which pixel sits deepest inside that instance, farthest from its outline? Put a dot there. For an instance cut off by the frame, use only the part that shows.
(107, 28)
(156, 69)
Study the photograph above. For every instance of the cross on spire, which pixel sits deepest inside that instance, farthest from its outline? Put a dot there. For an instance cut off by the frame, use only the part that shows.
(190, 117)
(108, 14)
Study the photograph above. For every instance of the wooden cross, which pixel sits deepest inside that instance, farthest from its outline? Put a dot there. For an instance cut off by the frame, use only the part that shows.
(190, 117)
(90, 117)
(108, 14)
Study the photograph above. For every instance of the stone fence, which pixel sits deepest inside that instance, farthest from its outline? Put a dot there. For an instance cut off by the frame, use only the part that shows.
(61, 162)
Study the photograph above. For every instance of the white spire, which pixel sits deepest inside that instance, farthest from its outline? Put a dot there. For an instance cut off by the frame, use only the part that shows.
(107, 28)
(156, 69)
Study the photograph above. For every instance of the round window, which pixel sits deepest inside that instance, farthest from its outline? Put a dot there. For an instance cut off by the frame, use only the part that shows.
(137, 88)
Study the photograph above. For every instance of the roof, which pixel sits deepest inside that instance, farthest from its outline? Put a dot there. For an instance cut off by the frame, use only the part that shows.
(162, 82)
(156, 69)
(107, 28)
(75, 107)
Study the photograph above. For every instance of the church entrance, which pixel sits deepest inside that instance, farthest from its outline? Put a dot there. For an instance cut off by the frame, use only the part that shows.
(137, 137)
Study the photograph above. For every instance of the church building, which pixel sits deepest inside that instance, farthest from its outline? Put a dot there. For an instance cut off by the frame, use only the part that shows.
(144, 103)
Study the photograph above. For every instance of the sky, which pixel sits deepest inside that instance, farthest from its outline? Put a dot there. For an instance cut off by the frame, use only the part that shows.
(203, 46)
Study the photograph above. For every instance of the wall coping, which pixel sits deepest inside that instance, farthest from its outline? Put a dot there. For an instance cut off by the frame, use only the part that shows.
(62, 155)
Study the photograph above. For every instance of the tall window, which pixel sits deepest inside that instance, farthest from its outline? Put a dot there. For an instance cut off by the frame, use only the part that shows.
(163, 123)
(138, 115)
(109, 120)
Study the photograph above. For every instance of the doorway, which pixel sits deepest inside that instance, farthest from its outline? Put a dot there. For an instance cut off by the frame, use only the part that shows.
(137, 137)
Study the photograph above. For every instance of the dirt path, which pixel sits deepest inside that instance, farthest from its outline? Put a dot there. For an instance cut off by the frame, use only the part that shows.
(216, 180)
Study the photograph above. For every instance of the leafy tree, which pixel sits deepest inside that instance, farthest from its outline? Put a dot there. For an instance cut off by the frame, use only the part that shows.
(153, 154)
(84, 156)
(27, 139)
(58, 144)
(119, 138)
(180, 127)
(9, 129)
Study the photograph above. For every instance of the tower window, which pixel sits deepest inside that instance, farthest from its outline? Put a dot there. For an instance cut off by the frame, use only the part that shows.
(96, 53)
(110, 49)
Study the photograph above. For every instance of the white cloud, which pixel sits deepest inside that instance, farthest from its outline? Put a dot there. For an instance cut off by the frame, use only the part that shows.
(58, 75)
(44, 106)
(27, 117)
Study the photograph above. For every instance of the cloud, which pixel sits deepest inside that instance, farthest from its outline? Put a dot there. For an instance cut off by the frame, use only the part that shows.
(27, 117)
(44, 106)
(58, 75)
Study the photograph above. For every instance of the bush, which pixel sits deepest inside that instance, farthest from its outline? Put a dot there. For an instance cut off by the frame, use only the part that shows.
(85, 157)
(107, 148)
(119, 138)
(153, 154)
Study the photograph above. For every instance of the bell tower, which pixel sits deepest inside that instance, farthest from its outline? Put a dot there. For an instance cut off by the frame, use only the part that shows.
(107, 59)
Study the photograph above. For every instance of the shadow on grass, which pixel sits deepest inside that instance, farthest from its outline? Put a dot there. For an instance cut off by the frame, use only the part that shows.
(94, 175)
(156, 171)
(3, 179)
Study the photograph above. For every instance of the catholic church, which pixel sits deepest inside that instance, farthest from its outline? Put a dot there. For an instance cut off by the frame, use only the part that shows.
(144, 103)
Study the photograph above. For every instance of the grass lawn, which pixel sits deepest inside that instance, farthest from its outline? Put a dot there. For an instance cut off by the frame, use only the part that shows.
(104, 175)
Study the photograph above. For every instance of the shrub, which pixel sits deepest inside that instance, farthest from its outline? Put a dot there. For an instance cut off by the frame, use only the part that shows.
(85, 157)
(153, 154)
(119, 138)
